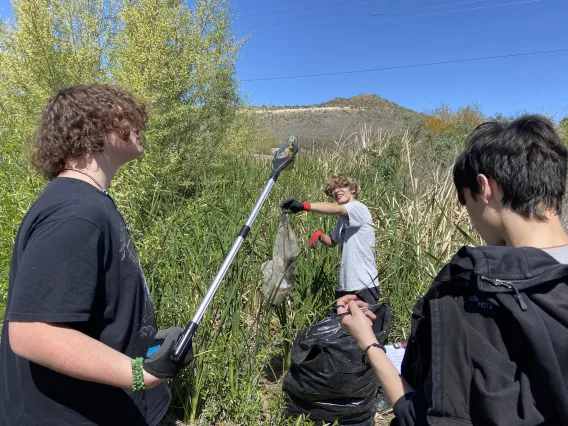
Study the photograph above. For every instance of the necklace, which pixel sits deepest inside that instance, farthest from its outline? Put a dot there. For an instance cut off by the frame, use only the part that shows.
(104, 191)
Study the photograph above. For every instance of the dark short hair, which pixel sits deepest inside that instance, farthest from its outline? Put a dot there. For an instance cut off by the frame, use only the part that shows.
(526, 158)
(76, 121)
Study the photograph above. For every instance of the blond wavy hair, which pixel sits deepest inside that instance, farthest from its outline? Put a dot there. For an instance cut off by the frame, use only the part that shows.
(339, 180)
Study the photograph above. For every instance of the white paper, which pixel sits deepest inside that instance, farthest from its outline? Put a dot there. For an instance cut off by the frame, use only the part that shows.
(395, 355)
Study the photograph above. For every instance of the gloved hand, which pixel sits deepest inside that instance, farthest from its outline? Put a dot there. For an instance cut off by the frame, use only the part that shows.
(294, 206)
(159, 363)
(316, 238)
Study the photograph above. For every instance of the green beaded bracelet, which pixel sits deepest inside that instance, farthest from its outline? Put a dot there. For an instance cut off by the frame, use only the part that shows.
(138, 375)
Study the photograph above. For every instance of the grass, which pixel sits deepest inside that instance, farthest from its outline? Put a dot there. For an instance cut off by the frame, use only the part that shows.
(243, 345)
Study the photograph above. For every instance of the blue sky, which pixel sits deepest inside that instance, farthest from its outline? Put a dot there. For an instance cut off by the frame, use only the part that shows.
(288, 38)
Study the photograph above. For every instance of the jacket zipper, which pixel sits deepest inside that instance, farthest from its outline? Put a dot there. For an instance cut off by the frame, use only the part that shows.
(507, 284)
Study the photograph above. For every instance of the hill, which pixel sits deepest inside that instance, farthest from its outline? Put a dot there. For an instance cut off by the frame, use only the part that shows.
(318, 126)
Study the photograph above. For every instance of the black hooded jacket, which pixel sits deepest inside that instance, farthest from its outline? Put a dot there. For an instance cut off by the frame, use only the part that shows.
(489, 342)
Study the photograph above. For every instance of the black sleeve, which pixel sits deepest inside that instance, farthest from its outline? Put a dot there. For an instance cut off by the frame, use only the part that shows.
(410, 410)
(57, 273)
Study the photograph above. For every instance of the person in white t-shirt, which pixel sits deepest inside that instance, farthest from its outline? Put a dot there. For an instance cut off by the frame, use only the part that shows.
(353, 232)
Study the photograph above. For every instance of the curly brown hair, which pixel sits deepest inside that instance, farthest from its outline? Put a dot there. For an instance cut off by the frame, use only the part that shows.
(77, 120)
(338, 180)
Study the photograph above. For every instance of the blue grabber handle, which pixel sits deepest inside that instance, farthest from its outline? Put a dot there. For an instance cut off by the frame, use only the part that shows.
(182, 342)
(152, 350)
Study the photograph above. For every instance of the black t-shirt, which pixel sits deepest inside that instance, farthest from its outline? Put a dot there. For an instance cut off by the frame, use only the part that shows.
(74, 263)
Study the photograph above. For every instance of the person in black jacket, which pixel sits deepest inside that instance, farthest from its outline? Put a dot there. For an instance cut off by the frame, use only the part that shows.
(488, 342)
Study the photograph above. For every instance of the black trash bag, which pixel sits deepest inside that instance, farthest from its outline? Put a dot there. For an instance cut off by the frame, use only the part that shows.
(328, 379)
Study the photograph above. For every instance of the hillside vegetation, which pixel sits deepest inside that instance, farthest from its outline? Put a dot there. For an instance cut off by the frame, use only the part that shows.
(337, 122)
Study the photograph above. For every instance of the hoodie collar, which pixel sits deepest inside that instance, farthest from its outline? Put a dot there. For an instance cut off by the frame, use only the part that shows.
(523, 264)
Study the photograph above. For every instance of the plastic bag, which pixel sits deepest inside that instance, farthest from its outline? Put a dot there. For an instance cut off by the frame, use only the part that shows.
(278, 274)
(328, 378)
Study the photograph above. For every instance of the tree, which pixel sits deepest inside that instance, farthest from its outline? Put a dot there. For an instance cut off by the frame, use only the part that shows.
(447, 120)
(180, 59)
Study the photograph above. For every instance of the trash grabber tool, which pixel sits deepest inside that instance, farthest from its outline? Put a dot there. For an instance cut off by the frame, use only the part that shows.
(182, 345)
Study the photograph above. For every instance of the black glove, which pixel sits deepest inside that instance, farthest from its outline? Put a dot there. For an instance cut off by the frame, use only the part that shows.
(159, 363)
(293, 206)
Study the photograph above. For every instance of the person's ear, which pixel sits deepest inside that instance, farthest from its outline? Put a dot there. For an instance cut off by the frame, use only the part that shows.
(485, 188)
(489, 189)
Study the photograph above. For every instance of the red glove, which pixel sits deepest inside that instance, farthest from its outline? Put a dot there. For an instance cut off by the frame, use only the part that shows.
(316, 238)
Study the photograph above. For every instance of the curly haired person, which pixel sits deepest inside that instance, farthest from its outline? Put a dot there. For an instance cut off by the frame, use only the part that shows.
(79, 319)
